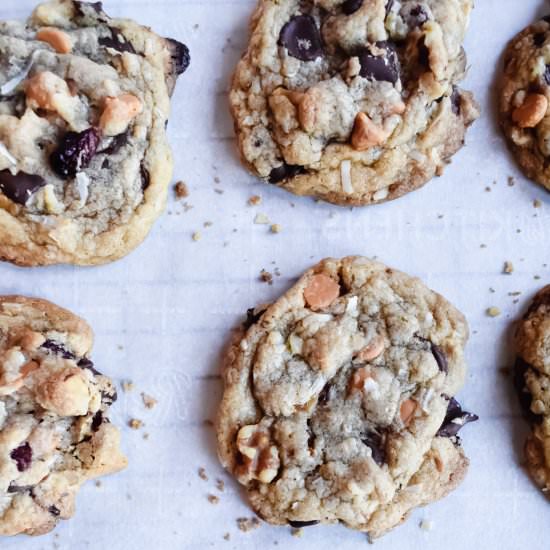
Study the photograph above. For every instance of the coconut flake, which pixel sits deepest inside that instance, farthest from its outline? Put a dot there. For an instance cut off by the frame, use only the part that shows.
(345, 175)
(4, 151)
(12, 84)
(381, 194)
(82, 181)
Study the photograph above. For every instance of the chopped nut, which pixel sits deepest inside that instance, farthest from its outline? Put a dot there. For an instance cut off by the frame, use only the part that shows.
(508, 268)
(181, 190)
(60, 41)
(135, 424)
(321, 291)
(366, 133)
(213, 499)
(254, 200)
(118, 112)
(531, 112)
(260, 459)
(148, 401)
(202, 474)
(248, 524)
(493, 312)
(276, 228)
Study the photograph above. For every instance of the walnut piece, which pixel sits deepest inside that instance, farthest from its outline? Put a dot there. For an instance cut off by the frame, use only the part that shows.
(260, 459)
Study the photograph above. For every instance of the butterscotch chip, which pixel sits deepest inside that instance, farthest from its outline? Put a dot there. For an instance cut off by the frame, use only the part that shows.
(60, 41)
(321, 291)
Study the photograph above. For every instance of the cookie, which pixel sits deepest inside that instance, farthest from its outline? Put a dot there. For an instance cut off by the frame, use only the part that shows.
(353, 102)
(338, 402)
(54, 429)
(524, 95)
(532, 381)
(84, 159)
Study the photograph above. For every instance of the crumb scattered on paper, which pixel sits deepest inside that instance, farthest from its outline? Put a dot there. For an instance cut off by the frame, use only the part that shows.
(261, 219)
(508, 268)
(181, 190)
(493, 311)
(213, 499)
(202, 474)
(248, 524)
(135, 424)
(148, 401)
(254, 200)
(266, 277)
(127, 386)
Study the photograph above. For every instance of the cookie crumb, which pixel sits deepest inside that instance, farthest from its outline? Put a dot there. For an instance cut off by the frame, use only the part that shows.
(197, 236)
(135, 424)
(248, 524)
(98, 483)
(298, 533)
(181, 190)
(148, 401)
(213, 499)
(537, 203)
(254, 200)
(511, 181)
(493, 311)
(266, 277)
(227, 537)
(276, 228)
(220, 485)
(127, 386)
(261, 219)
(426, 525)
(202, 474)
(508, 268)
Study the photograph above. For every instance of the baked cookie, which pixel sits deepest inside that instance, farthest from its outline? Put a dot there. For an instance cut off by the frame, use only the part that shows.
(84, 159)
(532, 380)
(354, 102)
(524, 96)
(54, 430)
(338, 403)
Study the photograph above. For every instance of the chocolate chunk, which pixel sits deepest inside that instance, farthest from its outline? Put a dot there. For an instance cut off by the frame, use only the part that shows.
(382, 67)
(97, 420)
(86, 363)
(324, 396)
(58, 349)
(301, 37)
(22, 456)
(374, 441)
(54, 511)
(116, 41)
(455, 419)
(423, 54)
(456, 101)
(351, 6)
(179, 53)
(19, 488)
(285, 171)
(75, 152)
(539, 39)
(520, 369)
(417, 17)
(440, 358)
(145, 177)
(300, 524)
(252, 317)
(21, 187)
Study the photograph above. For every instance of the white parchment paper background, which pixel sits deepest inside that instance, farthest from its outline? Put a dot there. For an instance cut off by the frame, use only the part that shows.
(163, 315)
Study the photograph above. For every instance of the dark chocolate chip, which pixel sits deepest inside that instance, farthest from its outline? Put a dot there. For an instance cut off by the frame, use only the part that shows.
(351, 6)
(417, 17)
(301, 37)
(22, 456)
(54, 511)
(456, 101)
(19, 188)
(423, 54)
(75, 152)
(81, 7)
(440, 358)
(252, 317)
(374, 441)
(520, 369)
(19, 488)
(180, 56)
(455, 419)
(109, 398)
(116, 41)
(117, 143)
(86, 363)
(324, 396)
(539, 39)
(285, 171)
(58, 349)
(300, 524)
(145, 177)
(97, 420)
(384, 68)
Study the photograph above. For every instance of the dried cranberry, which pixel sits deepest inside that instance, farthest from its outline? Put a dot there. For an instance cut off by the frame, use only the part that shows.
(75, 152)
(22, 456)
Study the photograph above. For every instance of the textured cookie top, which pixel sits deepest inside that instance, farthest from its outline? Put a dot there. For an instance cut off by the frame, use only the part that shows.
(54, 430)
(532, 379)
(352, 101)
(84, 161)
(338, 399)
(524, 96)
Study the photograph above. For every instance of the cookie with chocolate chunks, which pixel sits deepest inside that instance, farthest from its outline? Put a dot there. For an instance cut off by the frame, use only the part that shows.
(532, 382)
(55, 432)
(338, 403)
(352, 101)
(84, 159)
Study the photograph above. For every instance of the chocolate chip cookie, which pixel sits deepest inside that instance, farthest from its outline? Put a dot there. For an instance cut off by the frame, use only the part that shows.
(532, 380)
(354, 102)
(524, 96)
(84, 159)
(338, 402)
(54, 429)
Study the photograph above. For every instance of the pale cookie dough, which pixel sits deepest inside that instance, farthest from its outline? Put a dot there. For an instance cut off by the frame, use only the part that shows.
(532, 380)
(84, 159)
(54, 428)
(338, 403)
(524, 96)
(353, 102)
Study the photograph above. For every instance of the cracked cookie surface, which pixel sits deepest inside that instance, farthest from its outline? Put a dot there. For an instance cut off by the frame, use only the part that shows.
(532, 380)
(54, 429)
(338, 402)
(524, 96)
(354, 102)
(84, 159)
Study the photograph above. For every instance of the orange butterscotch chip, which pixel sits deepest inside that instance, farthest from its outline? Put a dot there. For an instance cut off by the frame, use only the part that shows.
(60, 41)
(407, 410)
(321, 291)
(532, 111)
(118, 112)
(373, 350)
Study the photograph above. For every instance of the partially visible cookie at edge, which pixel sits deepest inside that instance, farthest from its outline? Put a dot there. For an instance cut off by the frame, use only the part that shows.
(84, 159)
(352, 101)
(55, 432)
(532, 381)
(524, 97)
(339, 399)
